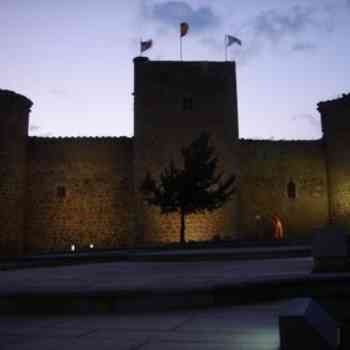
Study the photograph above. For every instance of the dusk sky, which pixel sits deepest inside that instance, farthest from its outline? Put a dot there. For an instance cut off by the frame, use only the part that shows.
(73, 58)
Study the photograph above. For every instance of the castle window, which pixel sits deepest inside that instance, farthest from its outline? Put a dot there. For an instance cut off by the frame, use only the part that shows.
(187, 104)
(291, 190)
(61, 192)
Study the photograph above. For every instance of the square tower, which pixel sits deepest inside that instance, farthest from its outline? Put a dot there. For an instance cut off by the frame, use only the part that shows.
(173, 103)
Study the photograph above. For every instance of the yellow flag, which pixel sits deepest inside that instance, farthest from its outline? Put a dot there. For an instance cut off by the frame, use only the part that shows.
(183, 28)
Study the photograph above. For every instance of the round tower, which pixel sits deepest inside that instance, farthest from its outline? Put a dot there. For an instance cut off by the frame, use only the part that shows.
(14, 114)
(335, 118)
(173, 103)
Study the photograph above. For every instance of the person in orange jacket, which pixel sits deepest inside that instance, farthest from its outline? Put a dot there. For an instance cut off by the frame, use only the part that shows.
(277, 227)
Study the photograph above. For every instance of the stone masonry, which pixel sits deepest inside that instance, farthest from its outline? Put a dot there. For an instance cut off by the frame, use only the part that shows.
(55, 192)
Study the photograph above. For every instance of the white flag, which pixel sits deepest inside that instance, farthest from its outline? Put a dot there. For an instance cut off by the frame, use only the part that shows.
(145, 45)
(230, 39)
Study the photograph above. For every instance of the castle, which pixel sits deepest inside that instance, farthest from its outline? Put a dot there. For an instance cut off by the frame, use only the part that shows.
(55, 192)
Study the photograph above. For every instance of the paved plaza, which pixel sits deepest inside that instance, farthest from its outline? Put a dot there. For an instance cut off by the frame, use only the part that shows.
(252, 325)
(240, 327)
(154, 276)
(233, 327)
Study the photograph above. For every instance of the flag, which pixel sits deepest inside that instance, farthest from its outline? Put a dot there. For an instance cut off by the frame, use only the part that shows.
(232, 40)
(145, 45)
(183, 28)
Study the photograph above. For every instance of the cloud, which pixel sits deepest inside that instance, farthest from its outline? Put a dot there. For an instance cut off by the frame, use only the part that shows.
(174, 12)
(303, 46)
(212, 43)
(297, 28)
(274, 24)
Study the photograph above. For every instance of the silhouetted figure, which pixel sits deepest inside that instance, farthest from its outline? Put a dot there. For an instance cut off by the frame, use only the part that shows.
(277, 227)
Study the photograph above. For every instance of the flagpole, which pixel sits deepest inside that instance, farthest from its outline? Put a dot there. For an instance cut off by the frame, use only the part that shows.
(180, 47)
(225, 44)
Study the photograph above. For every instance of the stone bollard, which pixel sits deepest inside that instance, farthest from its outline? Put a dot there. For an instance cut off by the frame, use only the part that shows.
(303, 324)
(329, 250)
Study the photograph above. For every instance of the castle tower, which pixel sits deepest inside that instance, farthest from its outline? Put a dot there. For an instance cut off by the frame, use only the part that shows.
(173, 103)
(14, 114)
(335, 117)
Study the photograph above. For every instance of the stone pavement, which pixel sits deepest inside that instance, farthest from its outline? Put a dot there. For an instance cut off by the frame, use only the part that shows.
(240, 327)
(153, 286)
(46, 318)
(143, 286)
(148, 276)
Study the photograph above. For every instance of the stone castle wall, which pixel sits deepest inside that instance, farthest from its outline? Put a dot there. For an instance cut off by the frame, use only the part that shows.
(80, 191)
(173, 103)
(55, 192)
(14, 113)
(336, 129)
(98, 204)
(267, 167)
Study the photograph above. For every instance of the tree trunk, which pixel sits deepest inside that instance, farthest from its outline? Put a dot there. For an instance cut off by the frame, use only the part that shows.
(182, 229)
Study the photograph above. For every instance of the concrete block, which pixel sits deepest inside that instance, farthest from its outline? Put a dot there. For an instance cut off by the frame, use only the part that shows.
(329, 244)
(329, 250)
(303, 324)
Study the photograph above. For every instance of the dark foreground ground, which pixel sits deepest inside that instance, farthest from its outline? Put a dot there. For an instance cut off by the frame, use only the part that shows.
(241, 327)
(169, 303)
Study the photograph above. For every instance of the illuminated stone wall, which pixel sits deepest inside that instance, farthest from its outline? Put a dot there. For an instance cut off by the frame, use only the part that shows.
(336, 129)
(173, 103)
(55, 192)
(267, 167)
(79, 192)
(14, 113)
